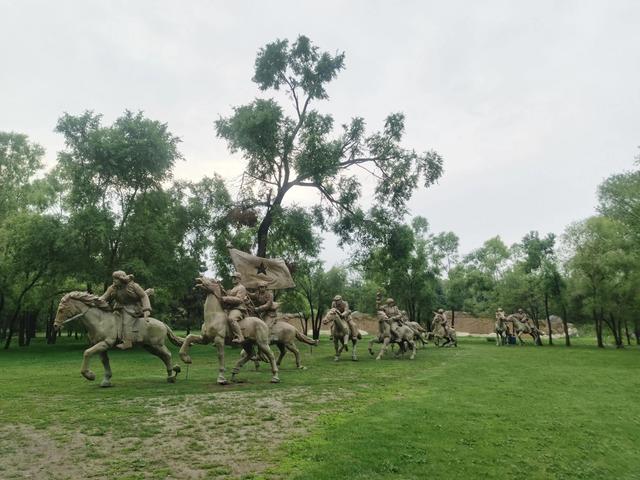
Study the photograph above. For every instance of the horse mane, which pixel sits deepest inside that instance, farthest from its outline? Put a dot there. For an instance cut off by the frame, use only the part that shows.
(88, 299)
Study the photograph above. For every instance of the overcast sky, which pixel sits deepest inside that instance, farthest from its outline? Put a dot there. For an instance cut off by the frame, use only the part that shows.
(531, 104)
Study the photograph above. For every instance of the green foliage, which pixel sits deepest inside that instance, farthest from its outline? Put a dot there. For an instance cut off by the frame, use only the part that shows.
(20, 160)
(619, 197)
(407, 268)
(304, 151)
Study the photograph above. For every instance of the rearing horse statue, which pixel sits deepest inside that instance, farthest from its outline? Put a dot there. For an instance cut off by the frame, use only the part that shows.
(102, 329)
(215, 330)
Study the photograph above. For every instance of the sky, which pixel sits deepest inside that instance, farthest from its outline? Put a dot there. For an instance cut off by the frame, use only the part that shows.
(531, 104)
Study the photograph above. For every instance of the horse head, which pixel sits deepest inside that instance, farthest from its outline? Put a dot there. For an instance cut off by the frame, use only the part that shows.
(209, 285)
(330, 316)
(75, 304)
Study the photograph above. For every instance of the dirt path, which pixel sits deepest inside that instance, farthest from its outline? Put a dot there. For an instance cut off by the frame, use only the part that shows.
(199, 436)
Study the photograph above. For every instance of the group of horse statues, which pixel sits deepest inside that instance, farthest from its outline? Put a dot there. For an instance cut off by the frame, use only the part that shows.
(515, 325)
(120, 318)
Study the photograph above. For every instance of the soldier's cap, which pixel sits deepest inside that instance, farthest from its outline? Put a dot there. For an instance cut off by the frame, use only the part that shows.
(236, 275)
(337, 298)
(520, 310)
(500, 309)
(120, 275)
(390, 301)
(262, 283)
(440, 310)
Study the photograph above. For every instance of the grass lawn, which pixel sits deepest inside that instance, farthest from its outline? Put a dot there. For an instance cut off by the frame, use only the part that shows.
(477, 411)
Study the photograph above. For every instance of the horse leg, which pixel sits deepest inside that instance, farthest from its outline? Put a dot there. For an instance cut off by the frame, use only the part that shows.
(412, 346)
(248, 348)
(385, 344)
(354, 356)
(292, 347)
(264, 348)
(86, 356)
(371, 342)
(106, 381)
(219, 342)
(163, 353)
(282, 354)
(255, 359)
(184, 349)
(520, 338)
(345, 343)
(335, 345)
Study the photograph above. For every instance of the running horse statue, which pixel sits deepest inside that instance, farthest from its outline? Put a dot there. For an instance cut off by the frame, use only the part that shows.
(520, 328)
(102, 329)
(404, 337)
(340, 332)
(283, 335)
(215, 329)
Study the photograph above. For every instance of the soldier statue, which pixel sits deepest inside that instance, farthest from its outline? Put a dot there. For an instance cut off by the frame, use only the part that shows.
(263, 303)
(235, 302)
(129, 302)
(391, 313)
(342, 308)
(524, 318)
(440, 317)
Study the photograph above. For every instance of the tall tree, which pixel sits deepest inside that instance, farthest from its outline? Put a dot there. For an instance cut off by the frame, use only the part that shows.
(301, 150)
(106, 169)
(20, 160)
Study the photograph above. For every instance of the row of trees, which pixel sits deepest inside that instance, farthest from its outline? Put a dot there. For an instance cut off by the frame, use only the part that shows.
(111, 202)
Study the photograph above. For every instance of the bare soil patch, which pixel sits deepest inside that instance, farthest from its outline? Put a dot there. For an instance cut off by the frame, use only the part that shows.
(228, 434)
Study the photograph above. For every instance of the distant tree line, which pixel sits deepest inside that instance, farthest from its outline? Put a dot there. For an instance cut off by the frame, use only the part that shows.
(110, 202)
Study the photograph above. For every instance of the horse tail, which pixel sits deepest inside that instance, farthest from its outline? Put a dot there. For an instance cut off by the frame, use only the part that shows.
(173, 338)
(304, 339)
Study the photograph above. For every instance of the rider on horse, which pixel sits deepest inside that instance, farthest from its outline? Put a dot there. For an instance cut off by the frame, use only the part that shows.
(129, 302)
(440, 317)
(342, 308)
(524, 319)
(501, 318)
(264, 306)
(235, 303)
(391, 314)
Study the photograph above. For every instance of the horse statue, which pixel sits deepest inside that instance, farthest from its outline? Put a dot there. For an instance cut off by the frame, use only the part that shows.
(420, 332)
(501, 330)
(520, 328)
(405, 338)
(438, 333)
(101, 323)
(340, 332)
(215, 329)
(282, 335)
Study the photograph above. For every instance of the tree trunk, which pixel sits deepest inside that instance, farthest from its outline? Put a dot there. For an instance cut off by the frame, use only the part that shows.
(263, 233)
(19, 306)
(546, 312)
(626, 330)
(316, 324)
(21, 329)
(616, 327)
(3, 325)
(9, 335)
(51, 332)
(565, 326)
(598, 328)
(31, 327)
(453, 318)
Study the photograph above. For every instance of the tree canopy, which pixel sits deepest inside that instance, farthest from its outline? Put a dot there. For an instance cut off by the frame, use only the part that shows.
(305, 149)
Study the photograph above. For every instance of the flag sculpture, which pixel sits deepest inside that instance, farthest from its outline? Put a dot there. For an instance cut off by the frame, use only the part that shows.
(257, 269)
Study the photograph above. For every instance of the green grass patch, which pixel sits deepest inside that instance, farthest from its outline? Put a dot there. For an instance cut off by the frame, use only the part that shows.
(477, 411)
